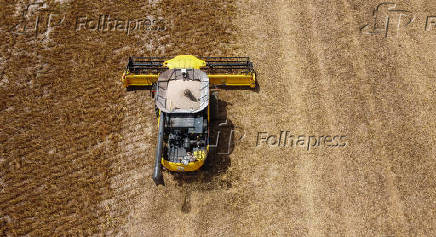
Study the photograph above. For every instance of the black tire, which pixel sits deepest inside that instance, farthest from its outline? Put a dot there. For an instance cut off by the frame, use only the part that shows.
(156, 110)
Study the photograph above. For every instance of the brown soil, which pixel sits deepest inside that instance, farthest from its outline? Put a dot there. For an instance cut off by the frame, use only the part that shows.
(76, 150)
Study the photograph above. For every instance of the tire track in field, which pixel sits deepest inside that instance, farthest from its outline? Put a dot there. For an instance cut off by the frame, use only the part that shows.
(389, 96)
(329, 34)
(366, 95)
(363, 89)
(315, 110)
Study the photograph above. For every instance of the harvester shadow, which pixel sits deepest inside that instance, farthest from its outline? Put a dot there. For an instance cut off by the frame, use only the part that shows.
(210, 175)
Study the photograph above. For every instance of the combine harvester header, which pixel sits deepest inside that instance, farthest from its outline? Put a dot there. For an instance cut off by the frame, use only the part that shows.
(222, 71)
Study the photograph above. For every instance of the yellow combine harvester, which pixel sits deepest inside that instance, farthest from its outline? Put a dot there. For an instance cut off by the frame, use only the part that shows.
(181, 89)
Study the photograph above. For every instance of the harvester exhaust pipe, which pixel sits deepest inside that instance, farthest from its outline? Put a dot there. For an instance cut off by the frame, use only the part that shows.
(157, 171)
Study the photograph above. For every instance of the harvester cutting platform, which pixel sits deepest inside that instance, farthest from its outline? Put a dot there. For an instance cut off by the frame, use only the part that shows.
(181, 89)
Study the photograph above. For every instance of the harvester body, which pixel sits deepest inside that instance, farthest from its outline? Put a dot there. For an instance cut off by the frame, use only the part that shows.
(181, 90)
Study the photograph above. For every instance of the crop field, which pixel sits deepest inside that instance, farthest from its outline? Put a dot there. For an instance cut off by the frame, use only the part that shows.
(349, 83)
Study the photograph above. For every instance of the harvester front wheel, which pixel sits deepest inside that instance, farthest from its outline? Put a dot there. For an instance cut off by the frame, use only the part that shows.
(156, 110)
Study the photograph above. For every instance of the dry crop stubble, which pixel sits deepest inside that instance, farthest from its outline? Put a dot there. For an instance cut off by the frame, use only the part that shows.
(76, 149)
